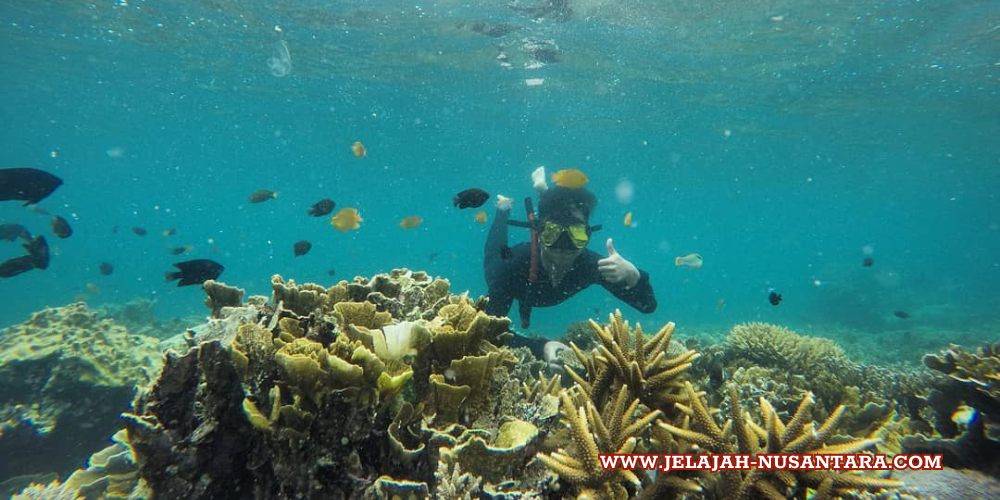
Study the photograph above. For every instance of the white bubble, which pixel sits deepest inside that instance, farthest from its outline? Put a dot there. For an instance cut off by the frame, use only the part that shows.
(624, 191)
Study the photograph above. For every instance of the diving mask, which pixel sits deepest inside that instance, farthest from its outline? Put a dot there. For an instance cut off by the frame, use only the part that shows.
(578, 234)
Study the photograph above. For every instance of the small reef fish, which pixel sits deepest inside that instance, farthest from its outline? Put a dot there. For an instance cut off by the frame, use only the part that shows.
(60, 227)
(901, 314)
(11, 232)
(37, 258)
(169, 232)
(321, 207)
(331, 273)
(432, 257)
(867, 262)
(139, 231)
(194, 272)
(359, 149)
(106, 269)
(570, 178)
(346, 220)
(717, 373)
(411, 222)
(470, 198)
(773, 297)
(180, 250)
(94, 289)
(628, 219)
(690, 261)
(301, 248)
(262, 195)
(720, 304)
(28, 184)
(480, 217)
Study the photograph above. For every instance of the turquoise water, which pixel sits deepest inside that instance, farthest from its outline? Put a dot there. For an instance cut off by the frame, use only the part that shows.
(777, 139)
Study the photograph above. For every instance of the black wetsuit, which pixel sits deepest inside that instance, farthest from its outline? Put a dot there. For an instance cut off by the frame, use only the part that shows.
(508, 278)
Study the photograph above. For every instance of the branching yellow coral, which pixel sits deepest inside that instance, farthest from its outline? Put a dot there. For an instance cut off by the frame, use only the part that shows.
(799, 435)
(612, 431)
(640, 363)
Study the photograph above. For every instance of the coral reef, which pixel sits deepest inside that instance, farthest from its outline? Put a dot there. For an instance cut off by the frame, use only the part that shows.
(65, 375)
(965, 409)
(379, 388)
(777, 363)
(798, 435)
(625, 356)
(220, 295)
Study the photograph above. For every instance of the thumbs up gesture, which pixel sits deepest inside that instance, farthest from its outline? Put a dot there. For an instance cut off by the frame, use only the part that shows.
(614, 268)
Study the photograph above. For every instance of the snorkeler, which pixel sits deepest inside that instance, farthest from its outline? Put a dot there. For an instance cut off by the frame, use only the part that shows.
(556, 264)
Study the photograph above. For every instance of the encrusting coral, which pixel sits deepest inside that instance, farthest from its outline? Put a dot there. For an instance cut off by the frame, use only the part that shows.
(65, 375)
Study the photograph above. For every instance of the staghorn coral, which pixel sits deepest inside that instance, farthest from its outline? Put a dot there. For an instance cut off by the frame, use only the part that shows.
(613, 430)
(625, 356)
(798, 435)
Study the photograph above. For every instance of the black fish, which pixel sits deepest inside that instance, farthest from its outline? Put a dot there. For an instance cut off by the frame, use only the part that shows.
(716, 373)
(470, 198)
(12, 267)
(60, 227)
(506, 252)
(301, 248)
(106, 269)
(11, 232)
(331, 273)
(28, 184)
(774, 297)
(195, 272)
(321, 207)
(867, 262)
(902, 314)
(139, 231)
(261, 195)
(37, 258)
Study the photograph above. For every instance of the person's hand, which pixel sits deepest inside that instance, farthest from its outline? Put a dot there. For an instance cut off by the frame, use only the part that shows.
(504, 203)
(538, 180)
(614, 268)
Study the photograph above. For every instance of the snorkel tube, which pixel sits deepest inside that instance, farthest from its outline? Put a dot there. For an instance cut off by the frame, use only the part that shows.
(535, 251)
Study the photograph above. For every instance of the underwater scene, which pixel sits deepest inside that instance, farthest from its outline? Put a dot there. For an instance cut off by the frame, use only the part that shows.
(475, 250)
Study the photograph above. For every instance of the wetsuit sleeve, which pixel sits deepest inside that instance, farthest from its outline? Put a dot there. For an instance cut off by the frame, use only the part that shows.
(496, 268)
(640, 296)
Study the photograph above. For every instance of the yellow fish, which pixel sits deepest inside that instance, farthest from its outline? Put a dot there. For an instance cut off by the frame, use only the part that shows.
(570, 178)
(480, 217)
(346, 220)
(359, 149)
(411, 222)
(628, 219)
(690, 261)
